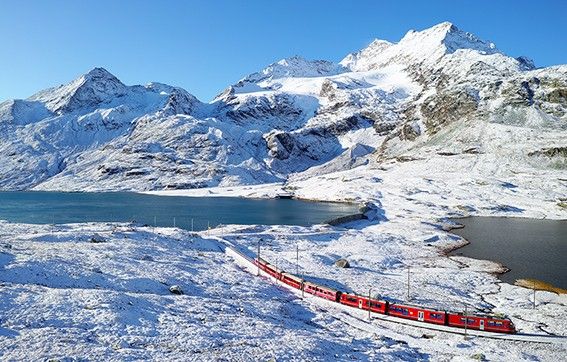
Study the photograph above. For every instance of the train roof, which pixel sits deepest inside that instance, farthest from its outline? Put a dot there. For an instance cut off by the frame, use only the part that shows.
(418, 307)
(321, 286)
(292, 276)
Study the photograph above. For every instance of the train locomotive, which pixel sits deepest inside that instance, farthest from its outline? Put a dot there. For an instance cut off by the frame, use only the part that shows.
(487, 323)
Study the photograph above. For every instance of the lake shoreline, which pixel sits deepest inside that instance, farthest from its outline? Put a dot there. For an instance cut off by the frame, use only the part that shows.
(522, 281)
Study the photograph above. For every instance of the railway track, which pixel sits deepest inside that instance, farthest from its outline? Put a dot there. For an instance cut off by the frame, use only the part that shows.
(357, 316)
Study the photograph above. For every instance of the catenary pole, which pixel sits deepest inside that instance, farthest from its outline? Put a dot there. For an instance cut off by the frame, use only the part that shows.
(369, 296)
(408, 296)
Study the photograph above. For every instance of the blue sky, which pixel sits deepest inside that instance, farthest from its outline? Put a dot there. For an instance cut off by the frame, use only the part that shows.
(203, 46)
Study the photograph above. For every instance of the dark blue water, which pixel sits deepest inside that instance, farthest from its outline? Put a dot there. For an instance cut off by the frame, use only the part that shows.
(530, 248)
(61, 208)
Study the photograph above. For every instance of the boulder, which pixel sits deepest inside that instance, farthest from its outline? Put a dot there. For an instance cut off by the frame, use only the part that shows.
(96, 238)
(176, 289)
(342, 263)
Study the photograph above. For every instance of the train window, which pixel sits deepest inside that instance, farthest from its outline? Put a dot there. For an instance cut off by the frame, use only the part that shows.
(436, 315)
(404, 311)
(495, 324)
(469, 320)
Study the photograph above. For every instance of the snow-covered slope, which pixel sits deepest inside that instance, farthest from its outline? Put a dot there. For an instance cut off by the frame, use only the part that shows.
(436, 91)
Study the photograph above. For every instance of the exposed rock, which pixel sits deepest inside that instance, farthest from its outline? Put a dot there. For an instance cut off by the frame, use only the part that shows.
(550, 152)
(280, 144)
(342, 263)
(445, 108)
(176, 289)
(356, 121)
(473, 150)
(96, 238)
(558, 95)
(410, 131)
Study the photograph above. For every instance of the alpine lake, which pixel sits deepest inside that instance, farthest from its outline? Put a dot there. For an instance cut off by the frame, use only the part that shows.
(190, 213)
(532, 249)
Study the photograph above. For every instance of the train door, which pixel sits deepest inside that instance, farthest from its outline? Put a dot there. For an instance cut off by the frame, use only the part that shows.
(420, 316)
(482, 324)
(360, 303)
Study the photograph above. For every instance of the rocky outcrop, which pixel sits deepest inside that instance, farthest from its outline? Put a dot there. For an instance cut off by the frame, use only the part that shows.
(280, 144)
(447, 107)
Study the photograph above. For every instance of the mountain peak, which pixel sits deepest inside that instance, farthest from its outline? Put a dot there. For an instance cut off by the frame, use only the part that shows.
(446, 26)
(295, 66)
(99, 73)
(92, 88)
(291, 67)
(449, 37)
(427, 45)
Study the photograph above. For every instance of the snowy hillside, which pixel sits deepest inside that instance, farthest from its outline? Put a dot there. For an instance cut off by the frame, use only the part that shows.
(436, 91)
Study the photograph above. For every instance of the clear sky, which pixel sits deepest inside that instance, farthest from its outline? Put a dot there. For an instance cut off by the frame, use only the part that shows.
(204, 46)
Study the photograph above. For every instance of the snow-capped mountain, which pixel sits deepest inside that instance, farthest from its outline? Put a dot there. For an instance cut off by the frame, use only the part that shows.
(440, 91)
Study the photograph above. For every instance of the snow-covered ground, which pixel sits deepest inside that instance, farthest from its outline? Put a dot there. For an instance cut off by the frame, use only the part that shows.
(65, 297)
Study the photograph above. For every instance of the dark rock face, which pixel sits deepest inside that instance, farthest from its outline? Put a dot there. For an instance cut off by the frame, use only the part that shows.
(280, 145)
(180, 102)
(345, 125)
(277, 110)
(550, 152)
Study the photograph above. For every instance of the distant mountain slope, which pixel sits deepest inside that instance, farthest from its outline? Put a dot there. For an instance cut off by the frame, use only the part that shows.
(440, 91)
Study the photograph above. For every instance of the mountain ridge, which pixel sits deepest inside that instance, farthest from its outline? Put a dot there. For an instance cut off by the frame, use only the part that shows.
(386, 101)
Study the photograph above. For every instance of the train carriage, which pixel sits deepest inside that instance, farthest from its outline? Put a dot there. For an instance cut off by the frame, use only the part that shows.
(482, 323)
(417, 313)
(360, 302)
(268, 268)
(292, 280)
(321, 291)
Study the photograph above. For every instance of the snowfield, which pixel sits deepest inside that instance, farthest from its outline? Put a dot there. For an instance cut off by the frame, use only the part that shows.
(66, 297)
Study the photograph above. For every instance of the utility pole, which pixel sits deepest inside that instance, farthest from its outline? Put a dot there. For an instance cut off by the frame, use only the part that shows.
(191, 225)
(534, 293)
(174, 221)
(297, 259)
(408, 297)
(466, 321)
(155, 221)
(258, 257)
(369, 296)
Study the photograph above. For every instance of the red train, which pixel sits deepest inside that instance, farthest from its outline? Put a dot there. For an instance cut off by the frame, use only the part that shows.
(484, 323)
